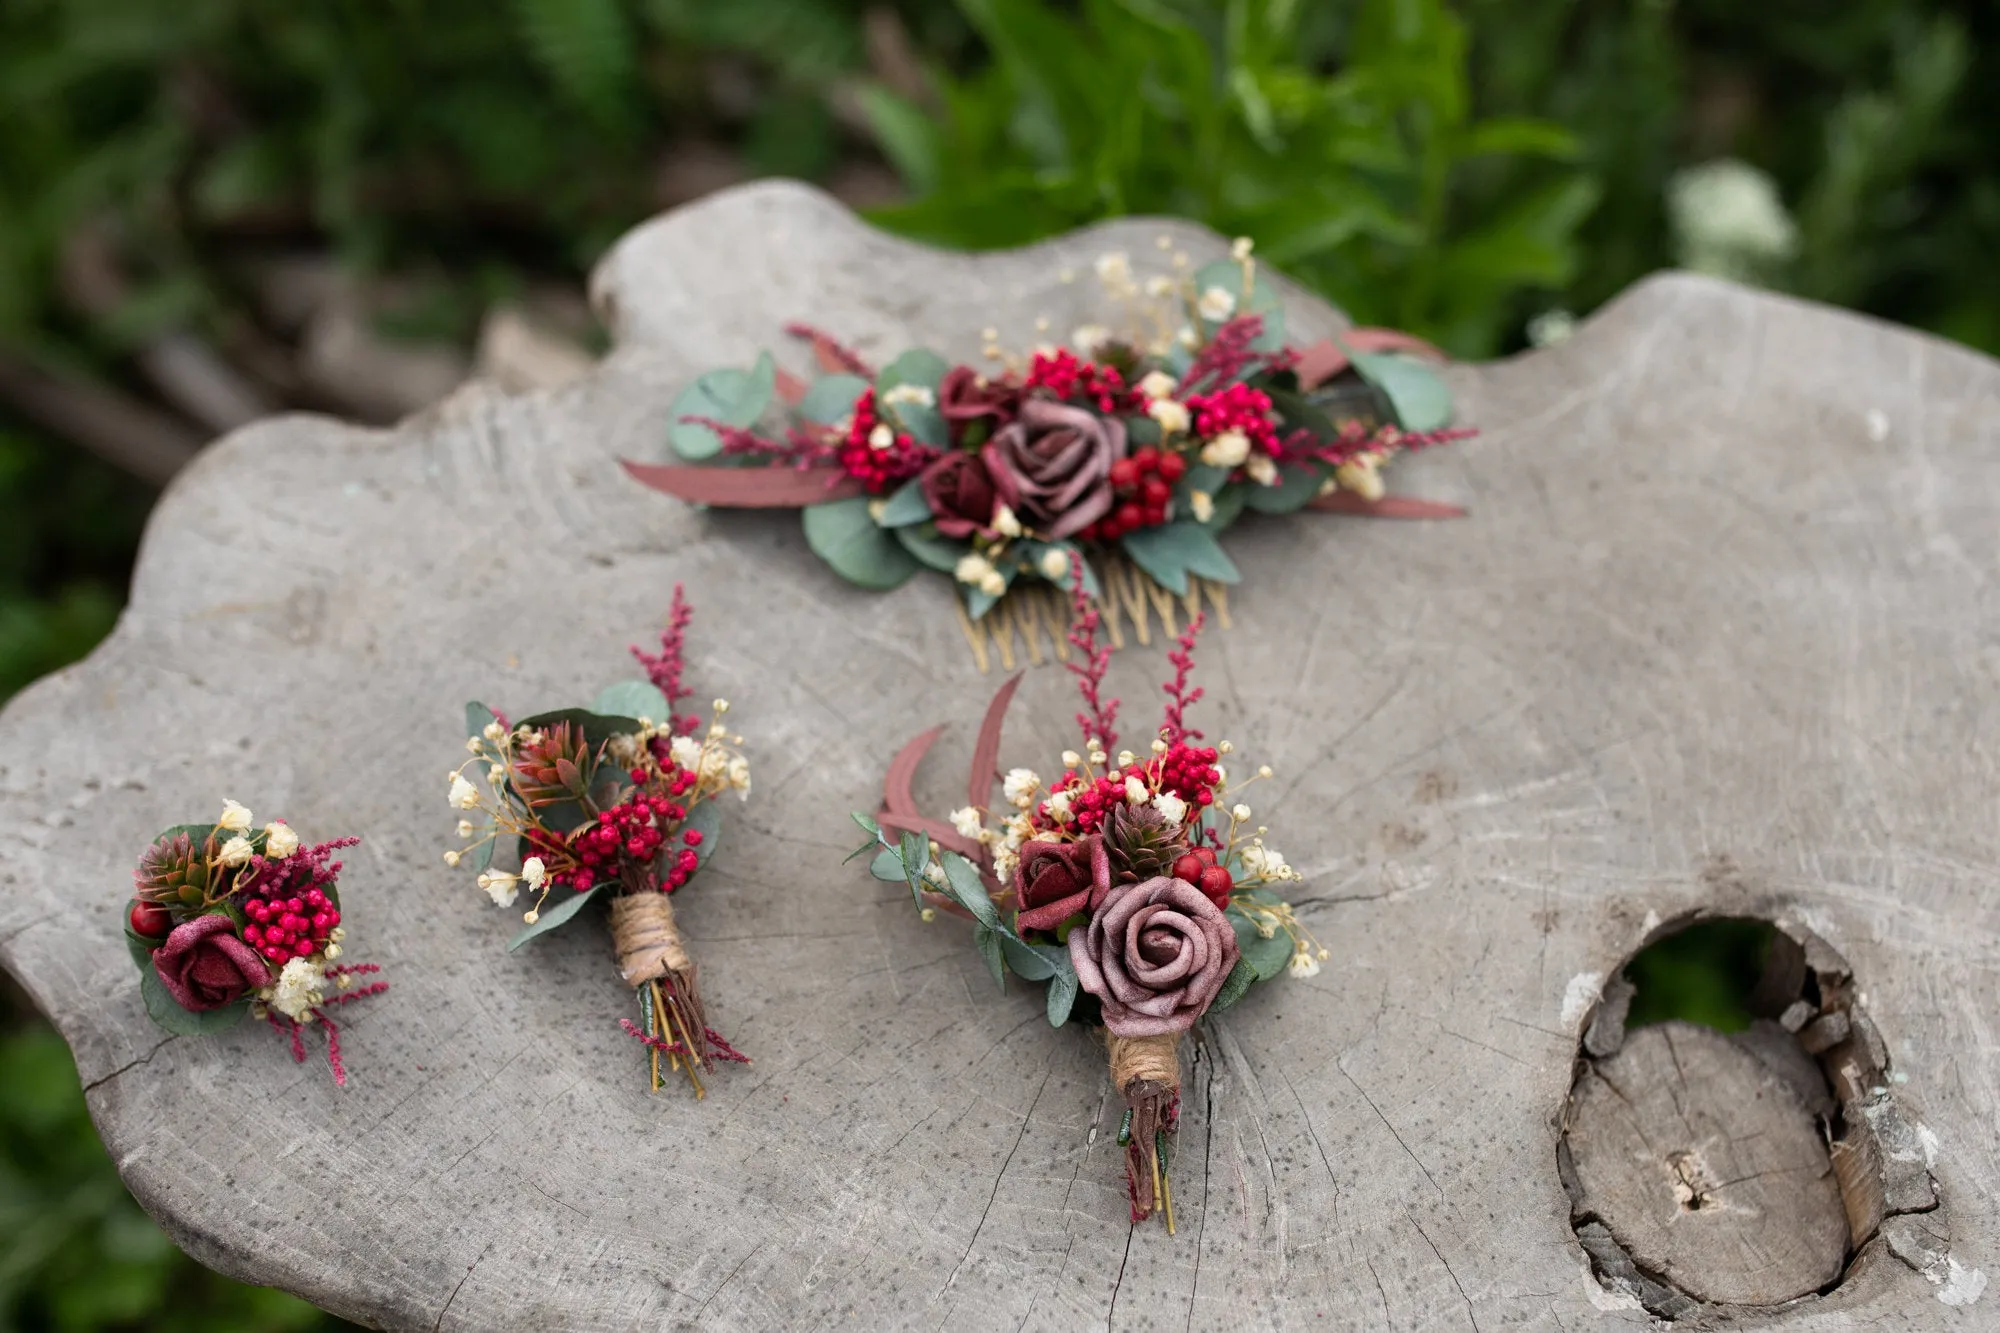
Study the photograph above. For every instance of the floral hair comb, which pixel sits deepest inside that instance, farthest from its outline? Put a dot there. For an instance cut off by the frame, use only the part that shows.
(1135, 887)
(615, 802)
(1124, 456)
(229, 922)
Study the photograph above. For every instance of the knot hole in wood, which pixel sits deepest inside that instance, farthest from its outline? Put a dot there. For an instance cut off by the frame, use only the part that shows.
(1750, 1168)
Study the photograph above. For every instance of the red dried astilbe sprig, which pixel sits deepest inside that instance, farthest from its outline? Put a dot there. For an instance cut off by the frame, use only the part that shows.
(1094, 662)
(1229, 356)
(832, 353)
(1179, 697)
(664, 668)
(295, 1030)
(1357, 438)
(718, 1048)
(802, 448)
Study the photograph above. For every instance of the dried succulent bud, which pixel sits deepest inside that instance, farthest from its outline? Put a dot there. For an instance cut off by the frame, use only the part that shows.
(556, 765)
(172, 873)
(1141, 843)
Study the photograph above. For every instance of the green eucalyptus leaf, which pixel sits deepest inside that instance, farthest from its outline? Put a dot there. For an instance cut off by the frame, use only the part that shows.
(733, 397)
(705, 819)
(831, 398)
(906, 506)
(842, 533)
(867, 823)
(931, 547)
(1034, 551)
(632, 698)
(1028, 960)
(477, 715)
(561, 912)
(919, 367)
(978, 601)
(1416, 393)
(1298, 482)
(597, 728)
(1228, 508)
(988, 940)
(1172, 551)
(966, 886)
(1233, 987)
(887, 866)
(1261, 299)
(925, 424)
(1062, 994)
(915, 850)
(161, 1008)
(1267, 955)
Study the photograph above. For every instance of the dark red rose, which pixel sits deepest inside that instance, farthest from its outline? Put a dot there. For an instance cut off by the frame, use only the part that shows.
(204, 965)
(1155, 954)
(965, 396)
(960, 494)
(1053, 466)
(1059, 879)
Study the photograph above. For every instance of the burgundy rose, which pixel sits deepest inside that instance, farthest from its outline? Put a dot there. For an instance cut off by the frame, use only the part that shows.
(204, 965)
(1059, 879)
(1053, 466)
(960, 494)
(965, 396)
(1155, 954)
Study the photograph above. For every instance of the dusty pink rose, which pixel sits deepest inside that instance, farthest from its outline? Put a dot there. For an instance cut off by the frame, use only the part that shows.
(1053, 466)
(204, 965)
(1059, 879)
(1155, 954)
(960, 494)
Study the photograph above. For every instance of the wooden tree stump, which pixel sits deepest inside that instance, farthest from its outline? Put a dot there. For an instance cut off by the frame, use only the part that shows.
(1716, 636)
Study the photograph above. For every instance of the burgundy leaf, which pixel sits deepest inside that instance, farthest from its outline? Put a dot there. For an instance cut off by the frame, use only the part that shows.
(790, 387)
(748, 487)
(944, 834)
(986, 751)
(896, 782)
(1389, 506)
(1324, 359)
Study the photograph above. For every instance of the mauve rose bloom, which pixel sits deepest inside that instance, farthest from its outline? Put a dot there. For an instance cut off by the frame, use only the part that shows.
(1059, 879)
(965, 396)
(1155, 954)
(1053, 466)
(204, 965)
(960, 494)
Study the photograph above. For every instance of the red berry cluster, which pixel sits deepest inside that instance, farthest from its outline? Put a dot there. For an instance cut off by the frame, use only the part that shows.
(1067, 375)
(1199, 868)
(633, 832)
(286, 928)
(879, 469)
(1143, 483)
(1238, 407)
(1186, 771)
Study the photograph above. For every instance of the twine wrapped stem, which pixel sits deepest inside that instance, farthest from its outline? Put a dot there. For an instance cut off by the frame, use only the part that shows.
(653, 960)
(1147, 1073)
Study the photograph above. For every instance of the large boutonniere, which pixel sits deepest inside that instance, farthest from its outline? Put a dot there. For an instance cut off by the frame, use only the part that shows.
(1124, 457)
(619, 802)
(1135, 887)
(229, 921)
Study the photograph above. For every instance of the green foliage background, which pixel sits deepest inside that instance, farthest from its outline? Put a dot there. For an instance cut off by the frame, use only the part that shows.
(1453, 169)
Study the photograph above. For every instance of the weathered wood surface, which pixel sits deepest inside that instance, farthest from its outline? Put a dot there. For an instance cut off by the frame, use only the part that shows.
(1723, 604)
(1707, 1159)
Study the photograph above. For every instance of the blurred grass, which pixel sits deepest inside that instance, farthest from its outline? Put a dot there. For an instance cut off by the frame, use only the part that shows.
(77, 1255)
(1703, 974)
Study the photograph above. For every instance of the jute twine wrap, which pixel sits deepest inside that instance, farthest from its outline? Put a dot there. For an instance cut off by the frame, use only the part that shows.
(645, 938)
(1144, 1059)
